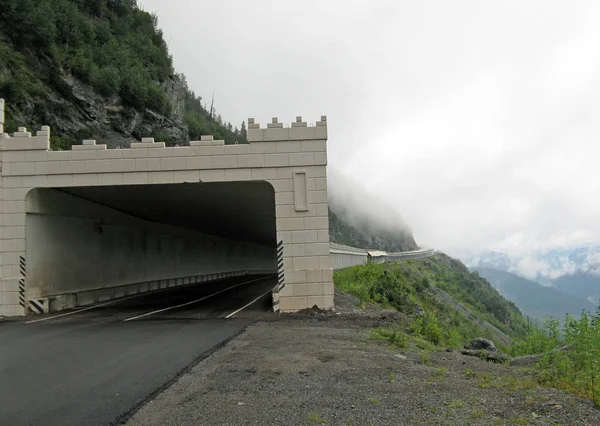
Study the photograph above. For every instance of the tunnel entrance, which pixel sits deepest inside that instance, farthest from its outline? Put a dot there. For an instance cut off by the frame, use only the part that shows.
(90, 244)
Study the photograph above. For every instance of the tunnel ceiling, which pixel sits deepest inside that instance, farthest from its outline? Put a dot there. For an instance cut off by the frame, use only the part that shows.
(237, 210)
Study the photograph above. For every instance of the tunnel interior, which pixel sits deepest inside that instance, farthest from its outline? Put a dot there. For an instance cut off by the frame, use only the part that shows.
(80, 239)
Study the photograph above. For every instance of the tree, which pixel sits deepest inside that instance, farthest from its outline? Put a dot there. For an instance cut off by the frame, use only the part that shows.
(243, 131)
(107, 80)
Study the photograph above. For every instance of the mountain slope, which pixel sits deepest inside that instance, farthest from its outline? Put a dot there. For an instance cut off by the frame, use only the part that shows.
(581, 284)
(367, 235)
(533, 299)
(456, 305)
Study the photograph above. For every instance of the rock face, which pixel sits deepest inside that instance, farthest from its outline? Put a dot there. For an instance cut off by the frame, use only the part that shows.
(75, 111)
(481, 344)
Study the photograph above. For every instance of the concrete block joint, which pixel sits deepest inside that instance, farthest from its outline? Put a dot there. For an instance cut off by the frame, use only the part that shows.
(40, 211)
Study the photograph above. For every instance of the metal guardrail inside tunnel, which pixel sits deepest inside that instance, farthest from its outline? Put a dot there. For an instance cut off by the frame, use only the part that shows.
(345, 256)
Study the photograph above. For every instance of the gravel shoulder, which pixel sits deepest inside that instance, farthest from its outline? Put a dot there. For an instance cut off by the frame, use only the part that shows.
(315, 368)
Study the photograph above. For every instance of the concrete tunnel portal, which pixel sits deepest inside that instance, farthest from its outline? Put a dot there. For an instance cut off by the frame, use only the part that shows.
(90, 244)
(93, 224)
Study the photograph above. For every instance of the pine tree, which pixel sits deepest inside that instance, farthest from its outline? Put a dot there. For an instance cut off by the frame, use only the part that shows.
(243, 132)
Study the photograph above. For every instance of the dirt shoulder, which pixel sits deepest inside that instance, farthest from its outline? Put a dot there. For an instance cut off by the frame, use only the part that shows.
(324, 369)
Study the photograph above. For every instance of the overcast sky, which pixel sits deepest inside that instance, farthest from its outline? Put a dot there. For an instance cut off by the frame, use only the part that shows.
(478, 120)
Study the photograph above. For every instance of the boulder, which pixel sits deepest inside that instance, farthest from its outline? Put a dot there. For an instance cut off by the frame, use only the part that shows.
(496, 356)
(481, 343)
(526, 361)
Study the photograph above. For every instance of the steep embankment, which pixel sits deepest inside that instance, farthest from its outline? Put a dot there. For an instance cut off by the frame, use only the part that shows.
(444, 302)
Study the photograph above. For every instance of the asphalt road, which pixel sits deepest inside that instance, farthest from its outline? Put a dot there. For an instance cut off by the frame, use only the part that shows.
(94, 367)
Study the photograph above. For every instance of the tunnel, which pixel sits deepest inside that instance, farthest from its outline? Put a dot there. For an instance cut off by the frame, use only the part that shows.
(89, 244)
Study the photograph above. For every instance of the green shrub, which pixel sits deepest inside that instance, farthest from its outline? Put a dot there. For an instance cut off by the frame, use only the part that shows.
(107, 80)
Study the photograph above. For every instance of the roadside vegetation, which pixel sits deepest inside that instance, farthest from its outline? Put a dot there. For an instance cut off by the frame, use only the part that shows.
(413, 287)
(570, 353)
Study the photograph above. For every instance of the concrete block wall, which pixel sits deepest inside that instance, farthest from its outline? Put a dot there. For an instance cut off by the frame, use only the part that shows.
(292, 159)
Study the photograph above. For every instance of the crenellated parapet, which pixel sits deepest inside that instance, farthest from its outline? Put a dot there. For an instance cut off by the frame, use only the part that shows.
(276, 146)
(276, 131)
(22, 140)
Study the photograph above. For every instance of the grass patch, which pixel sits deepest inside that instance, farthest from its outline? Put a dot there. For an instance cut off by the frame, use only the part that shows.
(316, 418)
(393, 335)
(469, 373)
(456, 403)
(374, 401)
(438, 376)
(425, 359)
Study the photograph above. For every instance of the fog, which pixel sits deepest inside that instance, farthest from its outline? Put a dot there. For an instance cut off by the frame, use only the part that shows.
(476, 121)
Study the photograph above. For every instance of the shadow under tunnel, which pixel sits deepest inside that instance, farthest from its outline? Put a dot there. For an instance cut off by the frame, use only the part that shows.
(90, 244)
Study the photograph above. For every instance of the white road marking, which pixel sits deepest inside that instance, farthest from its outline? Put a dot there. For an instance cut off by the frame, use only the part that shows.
(192, 302)
(86, 309)
(244, 307)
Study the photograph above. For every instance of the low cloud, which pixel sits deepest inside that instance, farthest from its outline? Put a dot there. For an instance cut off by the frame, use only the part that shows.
(477, 121)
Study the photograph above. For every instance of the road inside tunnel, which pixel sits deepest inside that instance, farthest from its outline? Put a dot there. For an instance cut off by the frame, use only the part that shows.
(97, 243)
(93, 367)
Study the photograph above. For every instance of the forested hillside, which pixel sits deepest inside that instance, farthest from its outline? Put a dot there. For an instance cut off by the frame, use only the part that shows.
(368, 235)
(97, 68)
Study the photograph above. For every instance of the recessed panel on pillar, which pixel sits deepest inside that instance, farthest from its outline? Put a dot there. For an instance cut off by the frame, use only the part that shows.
(300, 192)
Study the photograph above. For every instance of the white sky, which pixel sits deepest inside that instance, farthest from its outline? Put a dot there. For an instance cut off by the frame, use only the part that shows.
(478, 120)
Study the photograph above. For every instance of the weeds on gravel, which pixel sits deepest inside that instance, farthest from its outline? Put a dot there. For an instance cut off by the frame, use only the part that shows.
(457, 403)
(424, 344)
(425, 359)
(576, 366)
(519, 421)
(391, 377)
(394, 335)
(486, 381)
(476, 415)
(468, 372)
(315, 418)
(374, 401)
(438, 376)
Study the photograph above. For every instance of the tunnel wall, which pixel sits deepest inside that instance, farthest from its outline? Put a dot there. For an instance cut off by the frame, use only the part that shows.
(75, 246)
(292, 159)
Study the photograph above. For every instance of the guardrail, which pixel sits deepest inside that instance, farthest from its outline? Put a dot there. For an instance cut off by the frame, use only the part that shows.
(345, 256)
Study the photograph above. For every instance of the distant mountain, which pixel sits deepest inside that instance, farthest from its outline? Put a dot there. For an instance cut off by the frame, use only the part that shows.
(533, 299)
(582, 284)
